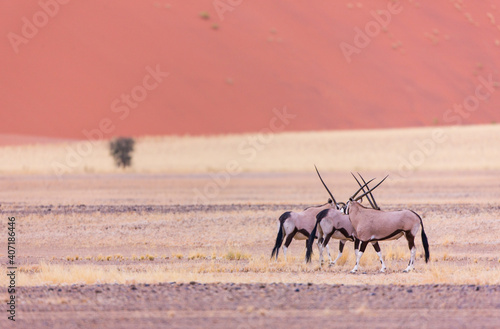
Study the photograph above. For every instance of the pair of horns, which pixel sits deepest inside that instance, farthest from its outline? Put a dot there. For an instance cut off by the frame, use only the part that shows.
(374, 203)
(369, 190)
(361, 187)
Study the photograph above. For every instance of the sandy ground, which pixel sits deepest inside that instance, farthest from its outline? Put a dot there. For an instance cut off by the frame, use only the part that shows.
(227, 305)
(105, 250)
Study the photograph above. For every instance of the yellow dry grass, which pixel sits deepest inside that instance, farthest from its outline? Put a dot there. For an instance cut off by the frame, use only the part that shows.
(203, 247)
(455, 190)
(457, 148)
(260, 269)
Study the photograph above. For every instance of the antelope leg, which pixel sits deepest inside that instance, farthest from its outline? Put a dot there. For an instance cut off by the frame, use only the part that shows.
(341, 249)
(379, 253)
(358, 257)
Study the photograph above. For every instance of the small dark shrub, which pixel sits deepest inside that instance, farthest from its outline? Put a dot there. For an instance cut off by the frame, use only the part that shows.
(121, 149)
(204, 15)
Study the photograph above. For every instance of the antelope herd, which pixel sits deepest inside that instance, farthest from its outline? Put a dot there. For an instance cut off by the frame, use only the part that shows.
(350, 221)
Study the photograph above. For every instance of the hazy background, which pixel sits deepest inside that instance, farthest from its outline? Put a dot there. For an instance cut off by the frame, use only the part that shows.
(64, 67)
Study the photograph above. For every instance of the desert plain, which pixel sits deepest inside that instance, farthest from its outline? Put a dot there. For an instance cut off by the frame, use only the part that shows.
(190, 246)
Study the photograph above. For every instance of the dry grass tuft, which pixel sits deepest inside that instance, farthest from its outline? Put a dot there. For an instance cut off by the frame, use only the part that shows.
(196, 255)
(395, 252)
(258, 269)
(236, 255)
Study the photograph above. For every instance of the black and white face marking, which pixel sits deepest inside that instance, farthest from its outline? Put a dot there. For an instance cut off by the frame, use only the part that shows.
(345, 209)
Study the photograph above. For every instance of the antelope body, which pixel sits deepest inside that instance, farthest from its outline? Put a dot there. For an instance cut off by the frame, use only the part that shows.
(333, 223)
(298, 225)
(375, 225)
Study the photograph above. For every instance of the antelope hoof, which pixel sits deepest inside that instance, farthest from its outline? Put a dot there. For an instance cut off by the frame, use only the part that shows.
(382, 270)
(354, 270)
(331, 264)
(407, 270)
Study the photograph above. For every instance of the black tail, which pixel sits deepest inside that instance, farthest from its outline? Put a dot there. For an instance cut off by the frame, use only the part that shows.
(312, 236)
(424, 239)
(279, 238)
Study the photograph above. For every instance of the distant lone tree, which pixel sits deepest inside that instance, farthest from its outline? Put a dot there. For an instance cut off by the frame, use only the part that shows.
(121, 149)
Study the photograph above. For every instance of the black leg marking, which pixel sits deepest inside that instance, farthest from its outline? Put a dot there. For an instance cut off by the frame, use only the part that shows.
(290, 237)
(356, 244)
(411, 239)
(411, 243)
(341, 245)
(327, 239)
(363, 246)
(376, 247)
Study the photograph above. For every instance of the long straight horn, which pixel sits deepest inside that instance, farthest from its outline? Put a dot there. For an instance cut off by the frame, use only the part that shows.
(335, 202)
(357, 181)
(359, 197)
(373, 198)
(359, 190)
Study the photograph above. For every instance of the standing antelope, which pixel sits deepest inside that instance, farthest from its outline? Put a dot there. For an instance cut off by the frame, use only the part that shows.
(298, 225)
(375, 225)
(333, 223)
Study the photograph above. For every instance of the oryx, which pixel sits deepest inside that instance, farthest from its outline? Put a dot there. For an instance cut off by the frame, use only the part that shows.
(298, 225)
(333, 223)
(375, 225)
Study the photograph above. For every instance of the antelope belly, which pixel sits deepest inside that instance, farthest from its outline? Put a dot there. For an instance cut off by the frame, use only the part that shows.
(338, 235)
(397, 236)
(300, 236)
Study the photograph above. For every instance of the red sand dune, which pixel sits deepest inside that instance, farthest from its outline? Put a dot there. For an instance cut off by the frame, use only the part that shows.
(227, 72)
(11, 140)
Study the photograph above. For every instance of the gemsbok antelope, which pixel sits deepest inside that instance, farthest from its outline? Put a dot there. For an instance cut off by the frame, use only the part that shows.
(376, 225)
(333, 223)
(298, 225)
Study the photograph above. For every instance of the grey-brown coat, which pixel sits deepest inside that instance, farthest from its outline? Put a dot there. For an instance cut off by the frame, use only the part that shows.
(375, 225)
(297, 225)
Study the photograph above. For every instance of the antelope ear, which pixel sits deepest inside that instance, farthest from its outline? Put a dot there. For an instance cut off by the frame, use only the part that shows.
(361, 200)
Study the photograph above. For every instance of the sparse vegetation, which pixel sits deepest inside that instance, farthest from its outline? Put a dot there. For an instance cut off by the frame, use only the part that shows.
(196, 255)
(232, 241)
(384, 148)
(205, 15)
(121, 150)
(236, 255)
